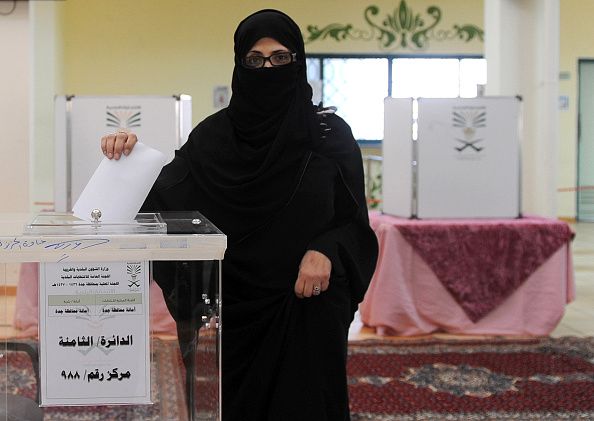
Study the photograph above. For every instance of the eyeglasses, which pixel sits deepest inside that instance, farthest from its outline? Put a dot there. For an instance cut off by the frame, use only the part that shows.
(277, 59)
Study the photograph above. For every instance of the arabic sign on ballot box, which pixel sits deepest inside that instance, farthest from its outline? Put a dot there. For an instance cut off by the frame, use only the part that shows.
(94, 333)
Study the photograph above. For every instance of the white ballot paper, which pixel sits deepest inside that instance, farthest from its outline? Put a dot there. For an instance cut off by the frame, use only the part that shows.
(118, 188)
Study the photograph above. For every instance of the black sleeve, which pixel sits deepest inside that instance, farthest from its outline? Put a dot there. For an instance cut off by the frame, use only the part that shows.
(182, 282)
(351, 245)
(171, 189)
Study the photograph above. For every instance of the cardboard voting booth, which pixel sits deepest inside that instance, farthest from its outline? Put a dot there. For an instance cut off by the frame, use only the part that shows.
(452, 157)
(161, 122)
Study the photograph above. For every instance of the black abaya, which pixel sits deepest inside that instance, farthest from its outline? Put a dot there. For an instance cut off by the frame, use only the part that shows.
(284, 358)
(263, 171)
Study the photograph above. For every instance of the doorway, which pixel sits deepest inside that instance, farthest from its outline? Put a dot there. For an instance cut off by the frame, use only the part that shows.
(585, 178)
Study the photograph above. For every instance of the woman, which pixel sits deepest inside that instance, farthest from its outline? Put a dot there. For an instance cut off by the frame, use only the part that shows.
(283, 180)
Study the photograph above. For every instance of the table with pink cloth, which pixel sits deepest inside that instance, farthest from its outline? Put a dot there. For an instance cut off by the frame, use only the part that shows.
(485, 277)
(26, 314)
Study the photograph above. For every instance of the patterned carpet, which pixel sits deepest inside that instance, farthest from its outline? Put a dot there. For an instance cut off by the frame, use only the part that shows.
(166, 390)
(539, 379)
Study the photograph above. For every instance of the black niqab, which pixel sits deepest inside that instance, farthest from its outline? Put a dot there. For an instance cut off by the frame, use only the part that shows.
(248, 171)
(263, 97)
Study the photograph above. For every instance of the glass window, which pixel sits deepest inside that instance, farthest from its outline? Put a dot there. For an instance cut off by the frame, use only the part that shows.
(314, 68)
(358, 86)
(473, 72)
(425, 77)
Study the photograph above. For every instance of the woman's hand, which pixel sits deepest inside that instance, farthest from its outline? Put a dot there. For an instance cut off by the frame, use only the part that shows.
(314, 274)
(113, 145)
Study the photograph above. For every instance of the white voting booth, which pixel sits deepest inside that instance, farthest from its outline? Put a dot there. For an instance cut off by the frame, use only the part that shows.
(453, 158)
(161, 122)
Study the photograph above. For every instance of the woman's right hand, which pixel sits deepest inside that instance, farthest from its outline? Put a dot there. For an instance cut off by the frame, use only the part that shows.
(113, 145)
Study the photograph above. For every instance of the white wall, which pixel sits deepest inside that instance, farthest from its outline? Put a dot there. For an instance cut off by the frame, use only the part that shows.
(14, 107)
(46, 80)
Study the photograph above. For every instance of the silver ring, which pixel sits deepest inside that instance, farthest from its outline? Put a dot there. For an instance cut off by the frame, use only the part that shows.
(316, 290)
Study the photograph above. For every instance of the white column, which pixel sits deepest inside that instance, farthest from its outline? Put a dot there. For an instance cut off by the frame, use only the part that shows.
(522, 52)
(14, 106)
(46, 82)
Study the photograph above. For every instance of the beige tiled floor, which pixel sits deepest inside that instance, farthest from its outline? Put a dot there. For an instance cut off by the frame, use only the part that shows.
(579, 315)
(578, 319)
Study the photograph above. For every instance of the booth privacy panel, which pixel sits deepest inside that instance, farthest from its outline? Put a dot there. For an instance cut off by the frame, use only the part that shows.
(397, 170)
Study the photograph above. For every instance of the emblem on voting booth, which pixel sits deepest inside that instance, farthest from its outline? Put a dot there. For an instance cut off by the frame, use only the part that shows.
(123, 117)
(468, 121)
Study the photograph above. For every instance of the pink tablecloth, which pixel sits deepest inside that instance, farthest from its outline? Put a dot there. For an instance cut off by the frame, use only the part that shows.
(407, 298)
(26, 315)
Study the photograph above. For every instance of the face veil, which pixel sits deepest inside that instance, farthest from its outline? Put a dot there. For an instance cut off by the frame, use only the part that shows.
(264, 99)
(247, 158)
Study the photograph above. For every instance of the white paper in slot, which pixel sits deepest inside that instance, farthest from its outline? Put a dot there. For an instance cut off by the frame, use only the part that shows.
(118, 188)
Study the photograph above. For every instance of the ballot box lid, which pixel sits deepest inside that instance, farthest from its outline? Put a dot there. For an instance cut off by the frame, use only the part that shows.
(48, 237)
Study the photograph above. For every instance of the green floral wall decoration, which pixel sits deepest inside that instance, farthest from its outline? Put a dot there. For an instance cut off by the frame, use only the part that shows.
(402, 29)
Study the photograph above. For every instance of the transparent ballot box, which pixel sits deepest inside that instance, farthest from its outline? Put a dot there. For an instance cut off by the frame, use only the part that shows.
(110, 321)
